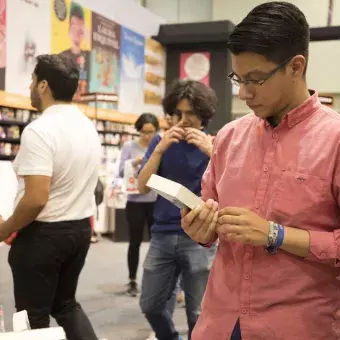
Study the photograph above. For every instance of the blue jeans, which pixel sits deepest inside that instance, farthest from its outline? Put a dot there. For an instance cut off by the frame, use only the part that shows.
(168, 256)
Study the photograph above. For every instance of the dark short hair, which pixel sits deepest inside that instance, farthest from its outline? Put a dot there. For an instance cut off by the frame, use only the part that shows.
(276, 30)
(76, 11)
(61, 74)
(146, 118)
(201, 97)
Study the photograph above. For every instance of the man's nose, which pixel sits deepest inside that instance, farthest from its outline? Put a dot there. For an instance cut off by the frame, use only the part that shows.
(244, 93)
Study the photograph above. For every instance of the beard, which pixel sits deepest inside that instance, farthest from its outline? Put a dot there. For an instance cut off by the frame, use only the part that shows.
(35, 100)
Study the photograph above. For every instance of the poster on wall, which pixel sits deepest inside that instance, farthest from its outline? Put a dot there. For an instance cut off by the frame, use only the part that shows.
(28, 31)
(104, 67)
(154, 84)
(195, 66)
(2, 43)
(132, 58)
(71, 27)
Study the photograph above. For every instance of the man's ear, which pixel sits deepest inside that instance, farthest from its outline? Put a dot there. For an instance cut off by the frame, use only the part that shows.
(42, 86)
(298, 65)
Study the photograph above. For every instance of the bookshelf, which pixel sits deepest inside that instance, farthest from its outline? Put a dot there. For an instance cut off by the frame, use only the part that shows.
(114, 127)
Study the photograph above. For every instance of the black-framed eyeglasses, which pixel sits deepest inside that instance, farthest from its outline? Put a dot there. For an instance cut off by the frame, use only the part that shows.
(247, 82)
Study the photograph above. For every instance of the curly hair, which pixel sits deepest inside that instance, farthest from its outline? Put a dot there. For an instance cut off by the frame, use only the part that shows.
(201, 97)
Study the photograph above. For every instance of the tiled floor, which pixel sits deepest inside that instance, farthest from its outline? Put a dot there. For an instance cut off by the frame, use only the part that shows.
(114, 315)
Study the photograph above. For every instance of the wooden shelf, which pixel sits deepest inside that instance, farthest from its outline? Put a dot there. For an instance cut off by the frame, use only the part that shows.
(15, 101)
(10, 140)
(7, 158)
(18, 101)
(109, 144)
(117, 133)
(12, 123)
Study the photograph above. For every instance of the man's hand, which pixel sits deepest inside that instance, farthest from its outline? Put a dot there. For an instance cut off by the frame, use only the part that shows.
(200, 223)
(244, 226)
(197, 137)
(173, 135)
(136, 162)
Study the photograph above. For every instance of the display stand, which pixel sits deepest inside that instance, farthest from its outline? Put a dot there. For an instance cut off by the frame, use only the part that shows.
(208, 41)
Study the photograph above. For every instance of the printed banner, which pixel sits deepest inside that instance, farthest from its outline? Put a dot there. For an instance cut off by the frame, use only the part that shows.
(104, 70)
(2, 43)
(195, 66)
(154, 85)
(71, 26)
(28, 31)
(132, 59)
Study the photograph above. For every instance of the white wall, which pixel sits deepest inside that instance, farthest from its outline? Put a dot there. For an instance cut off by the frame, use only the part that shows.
(180, 11)
(314, 10)
(323, 72)
(128, 13)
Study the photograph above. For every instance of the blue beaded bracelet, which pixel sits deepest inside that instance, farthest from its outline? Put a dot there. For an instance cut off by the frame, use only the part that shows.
(272, 249)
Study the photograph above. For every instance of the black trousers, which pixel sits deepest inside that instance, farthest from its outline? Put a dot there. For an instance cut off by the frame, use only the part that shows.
(46, 260)
(138, 214)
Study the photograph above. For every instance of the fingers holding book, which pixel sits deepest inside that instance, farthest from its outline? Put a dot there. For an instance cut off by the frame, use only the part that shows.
(200, 223)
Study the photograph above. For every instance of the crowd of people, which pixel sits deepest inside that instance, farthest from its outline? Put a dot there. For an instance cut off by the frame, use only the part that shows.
(258, 259)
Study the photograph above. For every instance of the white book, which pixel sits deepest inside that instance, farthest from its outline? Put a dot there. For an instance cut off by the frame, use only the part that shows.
(174, 192)
(56, 333)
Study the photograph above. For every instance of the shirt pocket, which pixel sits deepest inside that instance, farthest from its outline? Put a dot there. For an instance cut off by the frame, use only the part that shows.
(297, 195)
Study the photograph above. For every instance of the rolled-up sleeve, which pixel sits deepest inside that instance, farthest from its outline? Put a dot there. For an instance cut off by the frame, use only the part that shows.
(324, 246)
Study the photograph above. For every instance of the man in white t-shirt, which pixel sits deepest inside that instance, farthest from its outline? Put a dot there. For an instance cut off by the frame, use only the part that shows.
(57, 168)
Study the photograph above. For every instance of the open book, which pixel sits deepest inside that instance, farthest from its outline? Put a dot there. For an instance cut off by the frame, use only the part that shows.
(174, 192)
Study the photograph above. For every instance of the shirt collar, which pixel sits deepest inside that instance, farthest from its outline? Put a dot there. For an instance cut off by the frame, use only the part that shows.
(301, 112)
(61, 108)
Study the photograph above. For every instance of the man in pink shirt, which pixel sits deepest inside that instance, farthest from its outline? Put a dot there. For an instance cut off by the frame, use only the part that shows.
(272, 193)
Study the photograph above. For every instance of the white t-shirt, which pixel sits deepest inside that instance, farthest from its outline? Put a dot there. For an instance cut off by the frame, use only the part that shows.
(63, 144)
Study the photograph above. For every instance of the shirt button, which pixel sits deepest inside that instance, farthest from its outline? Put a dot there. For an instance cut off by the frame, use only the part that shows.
(247, 277)
(257, 205)
(265, 169)
(244, 310)
(274, 135)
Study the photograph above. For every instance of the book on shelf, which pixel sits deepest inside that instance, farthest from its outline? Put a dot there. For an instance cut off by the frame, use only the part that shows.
(174, 192)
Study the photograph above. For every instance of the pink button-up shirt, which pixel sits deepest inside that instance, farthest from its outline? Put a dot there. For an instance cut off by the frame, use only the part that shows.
(289, 174)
